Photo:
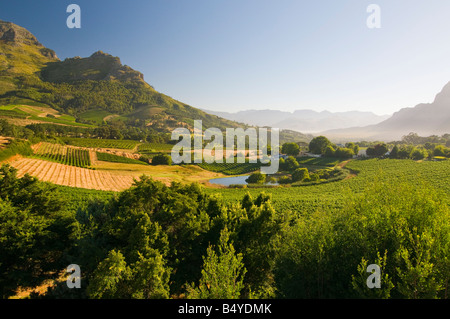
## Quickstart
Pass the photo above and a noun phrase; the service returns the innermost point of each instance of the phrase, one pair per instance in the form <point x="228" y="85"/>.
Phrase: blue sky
<point x="231" y="55"/>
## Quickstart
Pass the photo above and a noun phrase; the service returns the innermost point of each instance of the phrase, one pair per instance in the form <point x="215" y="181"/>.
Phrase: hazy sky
<point x="231" y="55"/>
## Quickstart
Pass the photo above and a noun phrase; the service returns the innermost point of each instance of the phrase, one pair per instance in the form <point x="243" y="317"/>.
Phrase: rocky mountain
<point x="96" y="85"/>
<point x="16" y="36"/>
<point x="99" y="66"/>
<point x="306" y="121"/>
<point x="424" y="119"/>
<point x="32" y="73"/>
<point x="21" y="56"/>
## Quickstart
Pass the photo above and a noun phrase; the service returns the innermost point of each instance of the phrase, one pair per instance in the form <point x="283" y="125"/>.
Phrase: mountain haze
<point x="424" y="119"/>
<point x="306" y="121"/>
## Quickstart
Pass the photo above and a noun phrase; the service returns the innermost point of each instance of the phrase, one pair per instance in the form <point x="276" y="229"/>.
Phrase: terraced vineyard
<point x="63" y="155"/>
<point x="72" y="176"/>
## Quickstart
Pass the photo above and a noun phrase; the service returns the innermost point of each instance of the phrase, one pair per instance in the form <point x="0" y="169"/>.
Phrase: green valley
<point x="87" y="178"/>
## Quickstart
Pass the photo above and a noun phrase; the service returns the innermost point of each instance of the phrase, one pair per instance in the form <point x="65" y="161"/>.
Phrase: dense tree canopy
<point x="291" y="149"/>
<point x="318" y="145"/>
<point x="158" y="241"/>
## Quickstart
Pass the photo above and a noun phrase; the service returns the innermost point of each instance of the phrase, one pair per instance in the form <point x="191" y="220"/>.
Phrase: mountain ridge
<point x="31" y="73"/>
<point x="424" y="119"/>
<point x="305" y="120"/>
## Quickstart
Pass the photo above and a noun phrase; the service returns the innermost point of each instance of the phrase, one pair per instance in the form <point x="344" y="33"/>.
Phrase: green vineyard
<point x="106" y="157"/>
<point x="231" y="168"/>
<point x="63" y="155"/>
<point x="307" y="199"/>
<point x="101" y="143"/>
<point x="154" y="147"/>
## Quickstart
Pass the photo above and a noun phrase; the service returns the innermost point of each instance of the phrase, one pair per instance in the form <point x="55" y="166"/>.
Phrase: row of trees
<point x="155" y="241"/>
<point x="323" y="146"/>
<point x="113" y="130"/>
<point x="408" y="151"/>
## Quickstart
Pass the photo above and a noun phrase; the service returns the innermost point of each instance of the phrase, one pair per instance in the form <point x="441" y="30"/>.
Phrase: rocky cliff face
<point x="98" y="67"/>
<point x="15" y="35"/>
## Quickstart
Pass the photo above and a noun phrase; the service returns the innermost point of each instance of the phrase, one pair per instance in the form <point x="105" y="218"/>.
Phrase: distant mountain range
<point x="424" y="119"/>
<point x="305" y="121"/>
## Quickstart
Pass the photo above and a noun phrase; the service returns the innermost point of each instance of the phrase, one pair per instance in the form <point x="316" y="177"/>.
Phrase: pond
<point x="227" y="181"/>
<point x="235" y="180"/>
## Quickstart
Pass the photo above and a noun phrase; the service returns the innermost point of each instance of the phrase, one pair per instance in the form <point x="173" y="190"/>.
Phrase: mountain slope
<point x="424" y="119"/>
<point x="21" y="56"/>
<point x="31" y="73"/>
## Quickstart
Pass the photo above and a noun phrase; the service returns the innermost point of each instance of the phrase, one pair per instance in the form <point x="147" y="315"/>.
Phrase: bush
<point x="284" y="180"/>
<point x="344" y="153"/>
<point x="289" y="164"/>
<point x="418" y="154"/>
<point x="318" y="145"/>
<point x="162" y="159"/>
<point x="377" y="150"/>
<point x="256" y="178"/>
<point x="329" y="151"/>
<point x="300" y="174"/>
<point x="291" y="149"/>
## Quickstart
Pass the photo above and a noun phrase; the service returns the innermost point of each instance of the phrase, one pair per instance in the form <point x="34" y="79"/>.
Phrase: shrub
<point x="318" y="145"/>
<point x="300" y="174"/>
<point x="344" y="153"/>
<point x="162" y="159"/>
<point x="256" y="178"/>
<point x="329" y="151"/>
<point x="290" y="149"/>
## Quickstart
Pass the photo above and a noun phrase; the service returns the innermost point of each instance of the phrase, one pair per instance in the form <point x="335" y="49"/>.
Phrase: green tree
<point x="318" y="145"/>
<point x="329" y="151"/>
<point x="161" y="159"/>
<point x="256" y="178"/>
<point x="416" y="271"/>
<point x="291" y="149"/>
<point x="222" y="274"/>
<point x="291" y="164"/>
<point x="394" y="152"/>
<point x="439" y="151"/>
<point x="36" y="231"/>
<point x="378" y="150"/>
<point x="343" y="153"/>
<point x="353" y="147"/>
<point x="109" y="279"/>
<point x="405" y="152"/>
<point x="359" y="283"/>
<point x="257" y="236"/>
<point x="150" y="278"/>
<point x="300" y="174"/>
<point x="419" y="154"/>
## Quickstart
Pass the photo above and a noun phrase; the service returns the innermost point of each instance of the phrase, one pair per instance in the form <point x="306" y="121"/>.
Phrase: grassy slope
<point x="39" y="114"/>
